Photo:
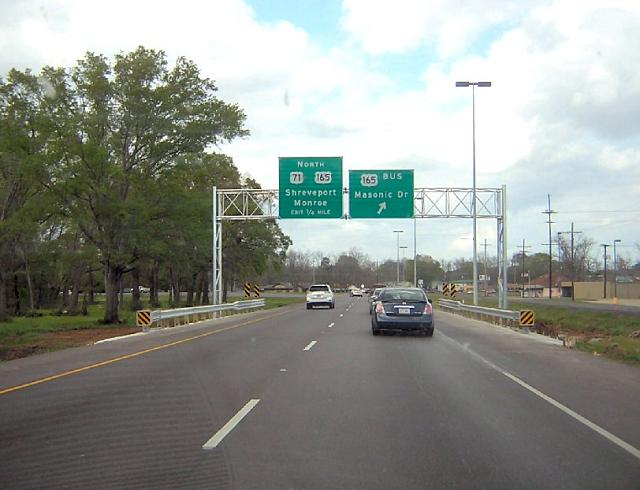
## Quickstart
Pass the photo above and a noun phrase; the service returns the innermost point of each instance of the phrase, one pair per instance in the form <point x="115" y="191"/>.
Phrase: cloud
<point x="560" y="117"/>
<point x="404" y="25"/>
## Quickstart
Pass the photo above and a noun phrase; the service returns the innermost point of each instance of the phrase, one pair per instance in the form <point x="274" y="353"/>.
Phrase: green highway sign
<point x="310" y="187"/>
<point x="381" y="193"/>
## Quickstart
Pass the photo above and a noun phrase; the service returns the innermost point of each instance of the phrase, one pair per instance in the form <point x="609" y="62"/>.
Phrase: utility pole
<point x="615" y="270"/>
<point x="573" y="263"/>
<point x="485" y="266"/>
<point x="549" y="212"/>
<point x="605" y="245"/>
<point x="523" y="255"/>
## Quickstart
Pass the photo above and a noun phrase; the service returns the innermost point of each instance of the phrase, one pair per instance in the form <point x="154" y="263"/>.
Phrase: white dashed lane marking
<point x="229" y="426"/>
<point x="310" y="345"/>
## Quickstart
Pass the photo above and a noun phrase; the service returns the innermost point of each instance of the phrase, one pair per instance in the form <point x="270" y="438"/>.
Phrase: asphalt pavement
<point x="295" y="399"/>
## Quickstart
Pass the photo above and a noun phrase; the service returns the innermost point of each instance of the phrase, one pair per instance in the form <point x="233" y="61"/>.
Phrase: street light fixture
<point x="473" y="86"/>
<point x="397" y="232"/>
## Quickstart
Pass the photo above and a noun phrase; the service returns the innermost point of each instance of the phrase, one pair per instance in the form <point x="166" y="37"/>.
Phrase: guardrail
<point x="183" y="316"/>
<point x="494" y="315"/>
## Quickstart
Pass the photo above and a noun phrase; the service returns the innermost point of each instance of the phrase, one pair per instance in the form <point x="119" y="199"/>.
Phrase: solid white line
<point x="583" y="420"/>
<point x="229" y="426"/>
<point x="120" y="337"/>
<point x="331" y="325"/>
<point x="310" y="345"/>
<point x="605" y="433"/>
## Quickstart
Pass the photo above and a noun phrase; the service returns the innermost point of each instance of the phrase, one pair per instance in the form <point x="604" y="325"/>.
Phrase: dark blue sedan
<point x="403" y="309"/>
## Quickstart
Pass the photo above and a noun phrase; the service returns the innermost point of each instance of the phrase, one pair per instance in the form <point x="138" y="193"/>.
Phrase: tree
<point x="119" y="129"/>
<point x="428" y="269"/>
<point x="24" y="133"/>
<point x="581" y="252"/>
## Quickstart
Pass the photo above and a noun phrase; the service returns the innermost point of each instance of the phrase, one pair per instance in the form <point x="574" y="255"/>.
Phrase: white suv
<point x="319" y="295"/>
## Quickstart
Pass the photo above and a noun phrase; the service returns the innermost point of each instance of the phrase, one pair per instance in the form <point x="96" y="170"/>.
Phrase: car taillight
<point x="428" y="310"/>
<point x="379" y="309"/>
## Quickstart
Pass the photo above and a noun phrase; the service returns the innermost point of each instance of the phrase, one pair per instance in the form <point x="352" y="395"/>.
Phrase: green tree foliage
<point x="119" y="129"/>
<point x="24" y="135"/>
<point x="106" y="172"/>
<point x="428" y="269"/>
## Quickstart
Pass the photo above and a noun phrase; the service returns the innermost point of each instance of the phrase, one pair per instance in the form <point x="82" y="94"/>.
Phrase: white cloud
<point x="383" y="27"/>
<point x="560" y="117"/>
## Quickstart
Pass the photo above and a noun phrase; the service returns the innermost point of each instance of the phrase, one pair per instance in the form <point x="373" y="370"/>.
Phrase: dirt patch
<point x="64" y="339"/>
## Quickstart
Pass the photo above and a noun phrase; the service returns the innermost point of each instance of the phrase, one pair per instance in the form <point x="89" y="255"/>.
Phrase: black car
<point x="403" y="309"/>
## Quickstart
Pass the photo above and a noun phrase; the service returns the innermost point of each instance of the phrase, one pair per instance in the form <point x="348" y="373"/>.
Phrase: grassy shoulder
<point x="598" y="332"/>
<point x="51" y="331"/>
<point x="273" y="302"/>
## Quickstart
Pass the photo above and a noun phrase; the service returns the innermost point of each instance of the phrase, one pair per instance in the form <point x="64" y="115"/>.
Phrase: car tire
<point x="308" y="306"/>
<point x="374" y="330"/>
<point x="428" y="332"/>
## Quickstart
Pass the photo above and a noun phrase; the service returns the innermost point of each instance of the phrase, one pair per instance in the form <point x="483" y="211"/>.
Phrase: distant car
<point x="356" y="292"/>
<point x="320" y="295"/>
<point x="403" y="309"/>
<point x="373" y="298"/>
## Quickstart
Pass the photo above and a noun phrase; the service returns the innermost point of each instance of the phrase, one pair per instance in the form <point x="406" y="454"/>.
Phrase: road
<point x="628" y="310"/>
<point x="297" y="399"/>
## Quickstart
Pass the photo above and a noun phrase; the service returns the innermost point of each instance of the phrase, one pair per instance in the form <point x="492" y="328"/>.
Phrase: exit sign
<point x="310" y="187"/>
<point x="381" y="193"/>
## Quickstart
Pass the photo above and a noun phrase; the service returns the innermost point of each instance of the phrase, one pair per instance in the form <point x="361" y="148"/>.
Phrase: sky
<point x="374" y="82"/>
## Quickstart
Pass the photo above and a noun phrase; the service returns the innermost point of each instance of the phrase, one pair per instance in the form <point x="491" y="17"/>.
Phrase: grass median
<point x="53" y="330"/>
<point x="602" y="333"/>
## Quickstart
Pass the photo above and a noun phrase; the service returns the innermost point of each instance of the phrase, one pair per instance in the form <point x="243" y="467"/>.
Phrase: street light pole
<point x="397" y="232"/>
<point x="605" y="245"/>
<point x="615" y="269"/>
<point x="404" y="265"/>
<point x="473" y="197"/>
<point x="415" y="254"/>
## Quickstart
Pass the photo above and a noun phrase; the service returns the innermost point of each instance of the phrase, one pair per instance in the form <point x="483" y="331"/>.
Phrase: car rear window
<point x="402" y="295"/>
<point x="319" y="288"/>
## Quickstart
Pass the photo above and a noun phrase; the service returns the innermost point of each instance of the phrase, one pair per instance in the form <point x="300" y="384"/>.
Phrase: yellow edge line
<point x="129" y="356"/>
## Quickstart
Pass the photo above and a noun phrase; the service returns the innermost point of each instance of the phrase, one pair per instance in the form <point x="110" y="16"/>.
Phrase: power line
<point x="549" y="212"/>
<point x="605" y="211"/>
<point x="573" y="265"/>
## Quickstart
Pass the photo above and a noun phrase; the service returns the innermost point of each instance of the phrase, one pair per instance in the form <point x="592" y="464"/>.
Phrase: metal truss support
<point x="429" y="203"/>
<point x="503" y="285"/>
<point x="244" y="204"/>
<point x="454" y="202"/>
<point x="216" y="279"/>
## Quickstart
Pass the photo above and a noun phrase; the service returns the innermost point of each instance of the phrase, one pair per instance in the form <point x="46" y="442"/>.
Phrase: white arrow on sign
<point x="381" y="207"/>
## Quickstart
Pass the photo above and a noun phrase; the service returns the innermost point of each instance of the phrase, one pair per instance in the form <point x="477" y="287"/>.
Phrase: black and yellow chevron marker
<point x="453" y="291"/>
<point x="143" y="318"/>
<point x="527" y="318"/>
<point x="247" y="289"/>
<point x="257" y="290"/>
<point x="445" y="288"/>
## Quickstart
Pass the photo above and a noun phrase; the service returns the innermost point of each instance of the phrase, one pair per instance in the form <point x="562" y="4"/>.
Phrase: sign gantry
<point x="428" y="203"/>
